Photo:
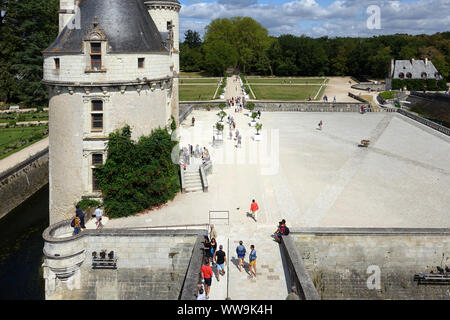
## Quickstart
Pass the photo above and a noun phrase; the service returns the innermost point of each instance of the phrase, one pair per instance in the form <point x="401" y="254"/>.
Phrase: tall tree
<point x="28" y="27"/>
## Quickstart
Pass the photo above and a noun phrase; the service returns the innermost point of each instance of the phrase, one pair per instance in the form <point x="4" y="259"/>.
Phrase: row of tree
<point x="244" y="43"/>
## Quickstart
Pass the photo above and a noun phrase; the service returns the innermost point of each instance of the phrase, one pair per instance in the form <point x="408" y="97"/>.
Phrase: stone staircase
<point x="193" y="181"/>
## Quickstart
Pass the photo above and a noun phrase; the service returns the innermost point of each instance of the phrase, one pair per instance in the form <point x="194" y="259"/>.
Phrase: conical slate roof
<point x="127" y="25"/>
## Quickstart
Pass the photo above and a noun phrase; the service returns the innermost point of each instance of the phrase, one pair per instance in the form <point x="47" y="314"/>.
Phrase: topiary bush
<point x="250" y="106"/>
<point x="137" y="175"/>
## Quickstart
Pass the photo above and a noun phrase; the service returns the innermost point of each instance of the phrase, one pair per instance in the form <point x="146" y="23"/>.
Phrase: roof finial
<point x="95" y="22"/>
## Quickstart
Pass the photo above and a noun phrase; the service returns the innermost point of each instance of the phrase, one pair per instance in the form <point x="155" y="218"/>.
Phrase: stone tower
<point x="165" y="14"/>
<point x="109" y="66"/>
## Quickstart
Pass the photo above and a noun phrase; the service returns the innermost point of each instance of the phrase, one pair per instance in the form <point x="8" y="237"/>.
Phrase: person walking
<point x="207" y="247"/>
<point x="220" y="259"/>
<point x="212" y="232"/>
<point x="213" y="249"/>
<point x="239" y="142"/>
<point x="320" y="125"/>
<point x="240" y="251"/>
<point x="254" y="209"/>
<point x="252" y="261"/>
<point x="231" y="134"/>
<point x="193" y="121"/>
<point x="98" y="216"/>
<point x="80" y="214"/>
<point x="201" y="292"/>
<point x="207" y="274"/>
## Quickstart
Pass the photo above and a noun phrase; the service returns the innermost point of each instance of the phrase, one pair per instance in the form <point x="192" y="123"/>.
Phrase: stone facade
<point x="338" y="261"/>
<point x="150" y="264"/>
<point x="135" y="88"/>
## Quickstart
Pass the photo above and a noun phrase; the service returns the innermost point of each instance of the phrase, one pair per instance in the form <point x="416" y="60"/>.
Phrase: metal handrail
<point x="227" y="218"/>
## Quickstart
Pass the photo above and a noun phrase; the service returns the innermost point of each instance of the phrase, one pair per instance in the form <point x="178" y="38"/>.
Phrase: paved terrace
<point x="312" y="179"/>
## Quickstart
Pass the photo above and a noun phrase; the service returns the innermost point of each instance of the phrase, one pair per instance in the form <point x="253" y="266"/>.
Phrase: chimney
<point x="412" y="60"/>
<point x="426" y="61"/>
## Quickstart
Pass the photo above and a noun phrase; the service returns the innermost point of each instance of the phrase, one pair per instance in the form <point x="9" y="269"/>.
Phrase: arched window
<point x="401" y="75"/>
<point x="409" y="75"/>
<point x="437" y="75"/>
<point x="424" y="75"/>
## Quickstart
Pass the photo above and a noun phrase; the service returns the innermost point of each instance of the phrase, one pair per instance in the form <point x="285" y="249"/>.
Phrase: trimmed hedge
<point x="419" y="84"/>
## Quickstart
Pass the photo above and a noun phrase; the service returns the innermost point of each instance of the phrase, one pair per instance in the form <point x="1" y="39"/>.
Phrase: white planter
<point x="222" y="123"/>
<point x="218" y="136"/>
<point x="249" y="114"/>
<point x="222" y="96"/>
<point x="252" y="123"/>
<point x="257" y="137"/>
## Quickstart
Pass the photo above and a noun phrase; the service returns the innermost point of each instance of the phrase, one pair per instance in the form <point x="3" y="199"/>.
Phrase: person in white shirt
<point x="201" y="293"/>
<point x="98" y="216"/>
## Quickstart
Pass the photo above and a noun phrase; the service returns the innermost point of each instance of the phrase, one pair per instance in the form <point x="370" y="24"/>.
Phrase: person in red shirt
<point x="254" y="209"/>
<point x="207" y="274"/>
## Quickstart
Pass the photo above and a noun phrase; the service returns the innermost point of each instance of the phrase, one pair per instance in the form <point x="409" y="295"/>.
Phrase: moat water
<point x="21" y="246"/>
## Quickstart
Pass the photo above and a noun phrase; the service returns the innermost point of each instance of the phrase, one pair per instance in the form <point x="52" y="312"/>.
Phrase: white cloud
<point x="340" y="18"/>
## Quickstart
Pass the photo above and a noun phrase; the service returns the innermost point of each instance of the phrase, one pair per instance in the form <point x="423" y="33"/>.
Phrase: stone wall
<point x="151" y="264"/>
<point x="22" y="181"/>
<point x="298" y="274"/>
<point x="338" y="261"/>
<point x="309" y="106"/>
<point x="371" y="85"/>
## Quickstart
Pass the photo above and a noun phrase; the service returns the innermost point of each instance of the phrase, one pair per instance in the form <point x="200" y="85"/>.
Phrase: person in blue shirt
<point x="240" y="251"/>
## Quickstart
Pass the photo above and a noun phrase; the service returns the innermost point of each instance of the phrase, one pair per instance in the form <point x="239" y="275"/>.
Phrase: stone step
<point x="192" y="176"/>
<point x="193" y="185"/>
<point x="196" y="189"/>
<point x="191" y="173"/>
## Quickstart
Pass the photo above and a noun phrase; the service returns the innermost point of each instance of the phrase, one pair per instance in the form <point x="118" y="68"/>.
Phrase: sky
<point x="316" y="18"/>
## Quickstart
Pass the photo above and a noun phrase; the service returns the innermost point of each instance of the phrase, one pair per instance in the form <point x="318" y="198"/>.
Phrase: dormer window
<point x="96" y="56"/>
<point x="409" y="75"/>
<point x="56" y="63"/>
<point x="401" y="75"/>
<point x="424" y="75"/>
<point x="141" y="62"/>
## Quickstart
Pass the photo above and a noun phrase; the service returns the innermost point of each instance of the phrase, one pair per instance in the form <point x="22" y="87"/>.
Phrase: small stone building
<point x="113" y="63"/>
<point x="414" y="69"/>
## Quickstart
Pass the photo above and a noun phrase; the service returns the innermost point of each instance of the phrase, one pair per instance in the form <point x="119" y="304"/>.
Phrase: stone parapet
<point x="157" y="258"/>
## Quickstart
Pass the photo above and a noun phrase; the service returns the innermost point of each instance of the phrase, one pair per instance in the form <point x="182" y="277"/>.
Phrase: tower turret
<point x="106" y="71"/>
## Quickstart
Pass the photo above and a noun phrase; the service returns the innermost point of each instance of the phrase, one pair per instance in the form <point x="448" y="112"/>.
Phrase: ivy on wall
<point x="137" y="175"/>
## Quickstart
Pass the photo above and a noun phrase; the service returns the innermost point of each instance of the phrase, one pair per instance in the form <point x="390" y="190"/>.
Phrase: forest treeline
<point x="243" y="42"/>
<point x="27" y="27"/>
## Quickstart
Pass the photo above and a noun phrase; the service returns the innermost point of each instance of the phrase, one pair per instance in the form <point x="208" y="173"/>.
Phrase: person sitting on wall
<point x="281" y="230"/>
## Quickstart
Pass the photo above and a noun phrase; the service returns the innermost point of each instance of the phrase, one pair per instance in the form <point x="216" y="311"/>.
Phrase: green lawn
<point x="285" y="93"/>
<point x="200" y="80"/>
<point x="15" y="139"/>
<point x="287" y="80"/>
<point x="195" y="93"/>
